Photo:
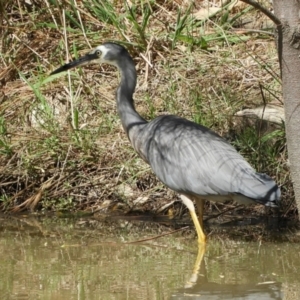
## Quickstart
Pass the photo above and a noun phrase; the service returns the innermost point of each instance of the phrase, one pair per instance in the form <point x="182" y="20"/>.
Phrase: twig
<point x="24" y="43"/>
<point x="14" y="197"/>
<point x="33" y="200"/>
<point x="51" y="13"/>
<point x="156" y="237"/>
<point x="81" y="24"/>
<point x="223" y="212"/>
<point x="84" y="13"/>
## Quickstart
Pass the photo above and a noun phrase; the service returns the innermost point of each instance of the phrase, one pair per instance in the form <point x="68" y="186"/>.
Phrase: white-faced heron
<point x="187" y="157"/>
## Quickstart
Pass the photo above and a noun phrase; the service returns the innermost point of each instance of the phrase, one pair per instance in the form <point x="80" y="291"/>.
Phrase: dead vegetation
<point x="61" y="142"/>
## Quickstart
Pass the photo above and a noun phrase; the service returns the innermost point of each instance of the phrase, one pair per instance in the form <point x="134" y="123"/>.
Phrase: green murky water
<point x="52" y="258"/>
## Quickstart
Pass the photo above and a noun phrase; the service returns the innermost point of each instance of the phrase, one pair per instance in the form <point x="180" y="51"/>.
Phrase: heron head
<point x="108" y="53"/>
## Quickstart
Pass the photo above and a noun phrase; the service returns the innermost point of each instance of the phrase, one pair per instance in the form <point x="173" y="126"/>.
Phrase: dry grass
<point x="62" y="145"/>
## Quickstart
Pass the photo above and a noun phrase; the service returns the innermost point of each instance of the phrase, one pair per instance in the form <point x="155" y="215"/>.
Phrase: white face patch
<point x="104" y="50"/>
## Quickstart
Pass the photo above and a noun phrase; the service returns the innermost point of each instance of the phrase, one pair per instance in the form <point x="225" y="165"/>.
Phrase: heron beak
<point x="81" y="61"/>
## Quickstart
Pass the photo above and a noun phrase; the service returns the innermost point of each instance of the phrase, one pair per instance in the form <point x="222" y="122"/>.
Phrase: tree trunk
<point x="288" y="12"/>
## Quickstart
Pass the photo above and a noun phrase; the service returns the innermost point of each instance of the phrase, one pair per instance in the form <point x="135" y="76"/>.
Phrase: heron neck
<point x="125" y="105"/>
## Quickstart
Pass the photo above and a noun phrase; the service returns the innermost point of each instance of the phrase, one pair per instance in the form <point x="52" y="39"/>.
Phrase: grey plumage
<point x="187" y="157"/>
<point x="191" y="159"/>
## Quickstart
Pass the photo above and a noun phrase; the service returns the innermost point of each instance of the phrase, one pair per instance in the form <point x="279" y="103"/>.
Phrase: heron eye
<point x="98" y="53"/>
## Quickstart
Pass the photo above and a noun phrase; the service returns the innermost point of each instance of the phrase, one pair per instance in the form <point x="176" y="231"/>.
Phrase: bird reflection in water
<point x="199" y="286"/>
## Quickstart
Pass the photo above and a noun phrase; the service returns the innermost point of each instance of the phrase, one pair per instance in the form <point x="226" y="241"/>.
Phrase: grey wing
<point x="190" y="158"/>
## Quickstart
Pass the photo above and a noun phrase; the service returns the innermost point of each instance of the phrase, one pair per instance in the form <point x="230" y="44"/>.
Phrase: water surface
<point x="63" y="258"/>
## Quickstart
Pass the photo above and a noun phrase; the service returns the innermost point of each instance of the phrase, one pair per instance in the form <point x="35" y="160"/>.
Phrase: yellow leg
<point x="201" y="235"/>
<point x="191" y="208"/>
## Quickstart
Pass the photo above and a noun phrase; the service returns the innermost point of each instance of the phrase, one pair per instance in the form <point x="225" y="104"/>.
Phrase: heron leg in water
<point x="190" y="205"/>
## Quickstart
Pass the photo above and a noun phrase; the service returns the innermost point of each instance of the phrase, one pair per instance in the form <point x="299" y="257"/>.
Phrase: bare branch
<point x="263" y="10"/>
